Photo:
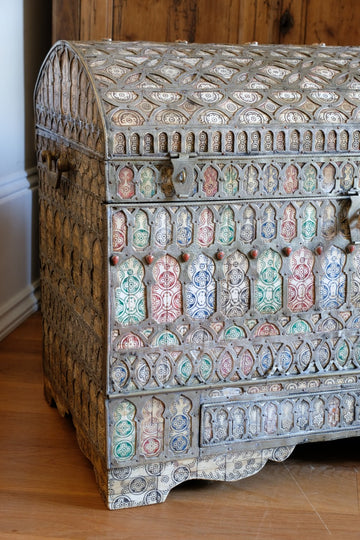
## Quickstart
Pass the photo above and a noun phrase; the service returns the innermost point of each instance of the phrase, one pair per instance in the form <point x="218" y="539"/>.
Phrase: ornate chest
<point x="200" y="268"/>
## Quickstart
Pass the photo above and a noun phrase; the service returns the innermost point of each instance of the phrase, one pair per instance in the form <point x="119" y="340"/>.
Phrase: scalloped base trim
<point x="150" y="484"/>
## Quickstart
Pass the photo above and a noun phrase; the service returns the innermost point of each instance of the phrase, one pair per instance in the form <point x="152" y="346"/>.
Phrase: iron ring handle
<point x="61" y="164"/>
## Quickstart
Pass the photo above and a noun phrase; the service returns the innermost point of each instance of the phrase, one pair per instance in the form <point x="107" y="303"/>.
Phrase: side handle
<point x="55" y="165"/>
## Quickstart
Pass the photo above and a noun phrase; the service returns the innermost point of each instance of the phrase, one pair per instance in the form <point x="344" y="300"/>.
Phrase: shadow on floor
<point x="334" y="451"/>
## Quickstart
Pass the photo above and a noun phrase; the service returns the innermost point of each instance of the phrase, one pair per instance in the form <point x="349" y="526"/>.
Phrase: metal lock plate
<point x="183" y="174"/>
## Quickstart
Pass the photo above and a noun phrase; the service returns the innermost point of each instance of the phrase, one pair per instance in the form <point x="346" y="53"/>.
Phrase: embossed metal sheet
<point x="153" y="98"/>
<point x="210" y="320"/>
<point x="200" y="258"/>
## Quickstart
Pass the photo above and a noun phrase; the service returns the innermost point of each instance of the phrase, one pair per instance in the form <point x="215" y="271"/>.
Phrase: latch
<point x="354" y="216"/>
<point x="183" y="174"/>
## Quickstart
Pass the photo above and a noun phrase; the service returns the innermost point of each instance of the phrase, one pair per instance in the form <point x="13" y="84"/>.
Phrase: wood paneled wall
<point x="335" y="22"/>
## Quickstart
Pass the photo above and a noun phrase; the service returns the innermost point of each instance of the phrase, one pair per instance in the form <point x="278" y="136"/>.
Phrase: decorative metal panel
<point x="124" y="431"/>
<point x="153" y="96"/>
<point x="333" y="281"/>
<point x="200" y="292"/>
<point x="206" y="228"/>
<point x="268" y="288"/>
<point x="302" y="282"/>
<point x="130" y="293"/>
<point x="243" y="421"/>
<point x="199" y="254"/>
<point x="152" y="428"/>
<point x="235" y="298"/>
<point x="166" y="295"/>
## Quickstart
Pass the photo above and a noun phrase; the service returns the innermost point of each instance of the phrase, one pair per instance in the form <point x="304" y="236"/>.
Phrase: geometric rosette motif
<point x="246" y="362"/>
<point x="251" y="183"/>
<point x="200" y="292"/>
<point x="180" y="425"/>
<point x="184" y="369"/>
<point x="234" y="332"/>
<point x="165" y="338"/>
<point x="268" y="224"/>
<point x="347" y="176"/>
<point x="231" y="184"/>
<point x="235" y="289"/>
<point x="226" y="365"/>
<point x="124" y="431"/>
<point x="119" y="231"/>
<point x="301" y="285"/>
<point x="268" y="286"/>
<point x="291" y="183"/>
<point x="205" y="367"/>
<point x="152" y="428"/>
<point x="288" y="223"/>
<point x="126" y="187"/>
<point x="271" y="181"/>
<point x="309" y="223"/>
<point x="130" y="341"/>
<point x="310" y="179"/>
<point x="141" y="231"/>
<point x="130" y="294"/>
<point x="248" y="225"/>
<point x="184" y="227"/>
<point x="210" y="185"/>
<point x="166" y="298"/>
<point x="298" y="326"/>
<point x="266" y="329"/>
<point x="227" y="226"/>
<point x="333" y="279"/>
<point x="206" y="228"/>
<point x="147" y="182"/>
<point x="163" y="231"/>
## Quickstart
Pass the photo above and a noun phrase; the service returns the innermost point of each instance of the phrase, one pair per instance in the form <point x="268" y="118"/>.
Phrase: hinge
<point x="183" y="173"/>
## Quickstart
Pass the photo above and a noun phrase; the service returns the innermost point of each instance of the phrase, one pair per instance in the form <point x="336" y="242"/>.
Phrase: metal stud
<point x="287" y="250"/>
<point x="114" y="260"/>
<point x="149" y="258"/>
<point x="254" y="253"/>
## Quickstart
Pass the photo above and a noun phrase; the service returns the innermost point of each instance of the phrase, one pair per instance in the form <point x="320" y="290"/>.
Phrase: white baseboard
<point x="20" y="298"/>
<point x="12" y="184"/>
<point x="18" y="308"/>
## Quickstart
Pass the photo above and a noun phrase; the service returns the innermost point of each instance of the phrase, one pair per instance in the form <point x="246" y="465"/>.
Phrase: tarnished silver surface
<point x="199" y="252"/>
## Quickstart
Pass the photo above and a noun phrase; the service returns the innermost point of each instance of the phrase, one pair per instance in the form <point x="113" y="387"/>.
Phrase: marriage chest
<point x="200" y="267"/>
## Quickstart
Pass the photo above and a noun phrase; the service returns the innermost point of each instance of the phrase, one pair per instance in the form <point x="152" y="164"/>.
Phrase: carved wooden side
<point x="73" y="295"/>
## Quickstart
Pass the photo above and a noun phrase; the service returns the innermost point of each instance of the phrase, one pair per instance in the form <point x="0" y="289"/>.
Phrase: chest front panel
<point x="243" y="277"/>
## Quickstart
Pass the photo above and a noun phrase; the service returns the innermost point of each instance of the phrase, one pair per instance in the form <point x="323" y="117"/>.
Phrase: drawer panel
<point x="286" y="417"/>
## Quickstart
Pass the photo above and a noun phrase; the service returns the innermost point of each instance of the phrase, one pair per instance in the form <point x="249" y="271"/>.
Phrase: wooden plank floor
<point x="48" y="490"/>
